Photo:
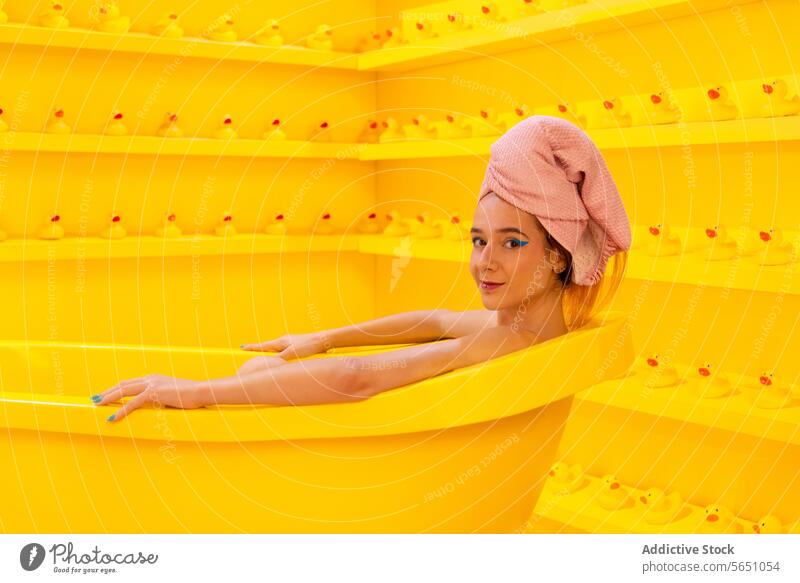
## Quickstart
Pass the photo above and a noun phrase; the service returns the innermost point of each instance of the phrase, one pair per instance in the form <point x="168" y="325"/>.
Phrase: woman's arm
<point x="317" y="381"/>
<point x="404" y="328"/>
<point x="353" y="378"/>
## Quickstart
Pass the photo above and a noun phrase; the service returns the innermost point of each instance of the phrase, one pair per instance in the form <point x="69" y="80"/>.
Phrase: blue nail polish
<point x="110" y="418"/>
<point x="97" y="398"/>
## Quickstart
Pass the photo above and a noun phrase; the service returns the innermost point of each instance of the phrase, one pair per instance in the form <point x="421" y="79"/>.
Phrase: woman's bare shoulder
<point x="456" y="324"/>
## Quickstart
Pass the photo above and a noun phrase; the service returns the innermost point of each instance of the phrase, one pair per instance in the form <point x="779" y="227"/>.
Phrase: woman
<point x="548" y="219"/>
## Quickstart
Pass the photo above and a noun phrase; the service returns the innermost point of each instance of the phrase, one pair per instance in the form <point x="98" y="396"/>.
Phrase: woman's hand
<point x="292" y="345"/>
<point x="153" y="388"/>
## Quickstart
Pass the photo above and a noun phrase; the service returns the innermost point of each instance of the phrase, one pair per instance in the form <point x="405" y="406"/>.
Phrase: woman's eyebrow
<point x="503" y="230"/>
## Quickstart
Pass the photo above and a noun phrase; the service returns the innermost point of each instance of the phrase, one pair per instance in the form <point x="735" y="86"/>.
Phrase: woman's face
<point x="509" y="248"/>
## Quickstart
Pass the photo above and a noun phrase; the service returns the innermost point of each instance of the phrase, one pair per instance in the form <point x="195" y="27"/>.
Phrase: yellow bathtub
<point x="464" y="452"/>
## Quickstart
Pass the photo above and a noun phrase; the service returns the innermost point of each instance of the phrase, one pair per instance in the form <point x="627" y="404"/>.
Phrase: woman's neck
<point x="542" y="316"/>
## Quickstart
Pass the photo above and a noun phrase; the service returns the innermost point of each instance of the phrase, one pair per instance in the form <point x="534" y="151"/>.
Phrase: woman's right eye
<point x="477" y="239"/>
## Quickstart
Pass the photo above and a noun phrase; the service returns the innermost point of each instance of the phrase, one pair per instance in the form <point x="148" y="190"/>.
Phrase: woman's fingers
<point x="121" y="389"/>
<point x="129" y="406"/>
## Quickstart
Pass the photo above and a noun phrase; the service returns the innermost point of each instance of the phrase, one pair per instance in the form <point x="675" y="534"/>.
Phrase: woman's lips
<point x="489" y="285"/>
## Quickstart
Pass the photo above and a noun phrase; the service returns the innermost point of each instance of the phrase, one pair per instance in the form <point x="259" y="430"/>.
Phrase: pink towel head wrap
<point x="538" y="166"/>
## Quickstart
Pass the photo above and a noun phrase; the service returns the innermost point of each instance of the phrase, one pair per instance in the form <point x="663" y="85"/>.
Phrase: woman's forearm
<point x="306" y="382"/>
<point x="403" y="328"/>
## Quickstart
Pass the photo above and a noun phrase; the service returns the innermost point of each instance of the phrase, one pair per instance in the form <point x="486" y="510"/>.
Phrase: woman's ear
<point x="557" y="261"/>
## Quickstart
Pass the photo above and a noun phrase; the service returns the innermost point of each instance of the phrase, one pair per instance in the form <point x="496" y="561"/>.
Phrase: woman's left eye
<point x="517" y="243"/>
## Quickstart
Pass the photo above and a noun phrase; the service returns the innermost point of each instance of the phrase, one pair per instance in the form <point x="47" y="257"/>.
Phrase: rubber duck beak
<point x="712" y="518"/>
<point x="767" y="88"/>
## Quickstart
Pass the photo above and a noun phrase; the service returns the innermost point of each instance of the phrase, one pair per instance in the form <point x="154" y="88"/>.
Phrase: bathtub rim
<point x="421" y="406"/>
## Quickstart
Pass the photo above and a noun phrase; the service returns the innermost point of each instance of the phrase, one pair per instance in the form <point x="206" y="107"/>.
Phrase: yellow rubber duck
<point x="663" y="242"/>
<point x="566" y="478"/>
<point x="709" y="384"/>
<point x="167" y="26"/>
<point x="490" y="12"/>
<point x="659" y="110"/>
<point x="54" y="17"/>
<point x="454" y="229"/>
<point x="775" y="251"/>
<point x="116" y="127"/>
<point x="391" y="131"/>
<point x="225" y="226"/>
<point x="612" y="494"/>
<point x="418" y="129"/>
<point x="169" y="228"/>
<point x="450" y="128"/>
<point x="225" y="129"/>
<point x="777" y="103"/>
<point x="369" y="224"/>
<point x="508" y="119"/>
<point x="569" y="112"/>
<point x="719" y="520"/>
<point x="3" y="124"/>
<point x="169" y="127"/>
<point x="321" y="39"/>
<point x="323" y="226"/>
<point x="768" y="525"/>
<point x="51" y="229"/>
<point x="114" y="230"/>
<point x="613" y="114"/>
<point x="457" y="22"/>
<point x="720" y="107"/>
<point x="57" y="125"/>
<point x="397" y="226"/>
<point x="370" y="133"/>
<point x="269" y="35"/>
<point x="222" y="30"/>
<point x="321" y="133"/>
<point x="660" y="374"/>
<point x="660" y="508"/>
<point x="369" y="42"/>
<point x="721" y="246"/>
<point x="276" y="227"/>
<point x="423" y="30"/>
<point x="530" y="8"/>
<point x="769" y="394"/>
<point x="393" y="38"/>
<point x="110" y="20"/>
<point x="428" y="228"/>
<point x="484" y="125"/>
<point x="274" y="133"/>
<point x="3" y="15"/>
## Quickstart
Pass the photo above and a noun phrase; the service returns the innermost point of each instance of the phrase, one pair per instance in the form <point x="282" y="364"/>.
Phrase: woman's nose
<point x="486" y="259"/>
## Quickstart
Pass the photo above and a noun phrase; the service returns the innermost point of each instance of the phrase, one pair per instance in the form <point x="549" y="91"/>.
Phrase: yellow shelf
<point x="154" y="145"/>
<point x="745" y="131"/>
<point x="692" y="269"/>
<point x="739" y="131"/>
<point x="436" y="249"/>
<point x="734" y="413"/>
<point x="132" y="42"/>
<point x="688" y="269"/>
<point x="547" y="28"/>
<point x="543" y="28"/>
<point x="71" y="248"/>
<point x="579" y="509"/>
